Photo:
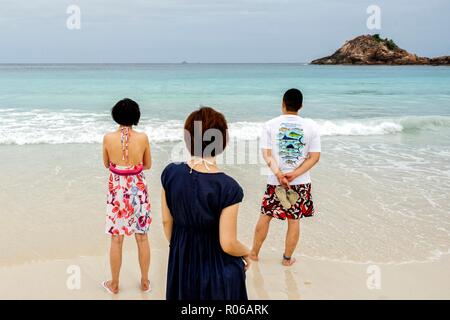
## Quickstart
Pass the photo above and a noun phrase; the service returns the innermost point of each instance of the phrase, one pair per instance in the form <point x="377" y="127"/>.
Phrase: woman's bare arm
<point x="167" y="219"/>
<point x="105" y="153"/>
<point x="228" y="232"/>
<point x="147" y="155"/>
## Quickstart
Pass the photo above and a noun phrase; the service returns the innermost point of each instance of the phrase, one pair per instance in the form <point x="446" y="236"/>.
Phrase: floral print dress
<point x="128" y="204"/>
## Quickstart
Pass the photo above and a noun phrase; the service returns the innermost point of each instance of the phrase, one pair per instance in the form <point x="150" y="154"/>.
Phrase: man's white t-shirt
<point x="291" y="138"/>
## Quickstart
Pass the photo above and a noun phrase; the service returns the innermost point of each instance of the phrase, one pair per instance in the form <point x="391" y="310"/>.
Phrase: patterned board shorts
<point x="304" y="207"/>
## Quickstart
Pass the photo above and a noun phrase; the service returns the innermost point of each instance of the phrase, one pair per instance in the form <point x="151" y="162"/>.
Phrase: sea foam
<point x="45" y="127"/>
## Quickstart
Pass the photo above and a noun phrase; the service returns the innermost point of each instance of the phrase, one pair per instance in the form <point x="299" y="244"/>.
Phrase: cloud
<point x="104" y="9"/>
<point x="210" y="30"/>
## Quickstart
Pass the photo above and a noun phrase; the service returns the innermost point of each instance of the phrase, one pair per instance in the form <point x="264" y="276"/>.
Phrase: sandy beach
<point x="70" y="211"/>
<point x="380" y="189"/>
<point x="380" y="106"/>
<point x="266" y="280"/>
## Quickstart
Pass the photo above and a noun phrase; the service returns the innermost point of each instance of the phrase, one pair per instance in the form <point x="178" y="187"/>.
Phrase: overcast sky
<point x="211" y="30"/>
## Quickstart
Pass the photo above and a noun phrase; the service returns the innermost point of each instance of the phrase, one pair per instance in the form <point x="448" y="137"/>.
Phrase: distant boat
<point x="184" y="62"/>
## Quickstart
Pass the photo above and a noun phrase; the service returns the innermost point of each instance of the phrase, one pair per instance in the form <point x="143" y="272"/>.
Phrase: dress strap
<point x="198" y="160"/>
<point x="125" y="133"/>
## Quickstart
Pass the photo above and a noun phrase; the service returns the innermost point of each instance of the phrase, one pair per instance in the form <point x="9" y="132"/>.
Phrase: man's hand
<point x="290" y="176"/>
<point x="282" y="180"/>
<point x="310" y="162"/>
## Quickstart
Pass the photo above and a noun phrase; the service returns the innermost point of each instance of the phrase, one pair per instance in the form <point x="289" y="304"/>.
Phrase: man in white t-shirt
<point x="291" y="147"/>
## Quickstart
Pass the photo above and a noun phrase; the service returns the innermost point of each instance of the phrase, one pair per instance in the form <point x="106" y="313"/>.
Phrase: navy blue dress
<point x="198" y="267"/>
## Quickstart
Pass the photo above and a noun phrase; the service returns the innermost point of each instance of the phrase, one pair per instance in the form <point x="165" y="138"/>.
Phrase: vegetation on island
<point x="388" y="42"/>
<point x="372" y="49"/>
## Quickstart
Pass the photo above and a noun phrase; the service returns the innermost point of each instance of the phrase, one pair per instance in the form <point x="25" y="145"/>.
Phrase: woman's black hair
<point x="126" y="112"/>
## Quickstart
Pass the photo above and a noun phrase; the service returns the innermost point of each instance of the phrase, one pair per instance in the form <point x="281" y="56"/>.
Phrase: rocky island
<point x="374" y="50"/>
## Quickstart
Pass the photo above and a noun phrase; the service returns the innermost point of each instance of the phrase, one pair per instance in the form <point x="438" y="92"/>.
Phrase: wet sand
<point x="56" y="211"/>
<point x="267" y="279"/>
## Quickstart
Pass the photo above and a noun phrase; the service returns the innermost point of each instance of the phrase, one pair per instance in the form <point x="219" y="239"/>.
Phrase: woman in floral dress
<point x="126" y="153"/>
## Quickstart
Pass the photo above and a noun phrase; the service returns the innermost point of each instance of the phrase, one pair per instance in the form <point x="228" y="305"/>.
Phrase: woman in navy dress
<point x="200" y="206"/>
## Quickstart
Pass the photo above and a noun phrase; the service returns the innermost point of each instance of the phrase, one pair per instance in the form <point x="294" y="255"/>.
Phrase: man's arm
<point x="313" y="155"/>
<point x="273" y="165"/>
<point x="312" y="160"/>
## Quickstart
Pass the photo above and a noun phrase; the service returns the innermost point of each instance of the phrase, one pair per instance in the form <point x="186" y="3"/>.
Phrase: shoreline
<point x="64" y="199"/>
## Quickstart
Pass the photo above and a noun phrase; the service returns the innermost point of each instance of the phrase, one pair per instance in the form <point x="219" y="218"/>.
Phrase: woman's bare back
<point x="138" y="149"/>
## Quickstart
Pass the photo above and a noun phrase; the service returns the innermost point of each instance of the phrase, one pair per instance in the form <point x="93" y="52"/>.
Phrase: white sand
<point x="266" y="279"/>
<point x="54" y="218"/>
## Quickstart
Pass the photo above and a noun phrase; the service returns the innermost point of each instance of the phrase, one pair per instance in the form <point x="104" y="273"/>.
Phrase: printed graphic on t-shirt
<point x="290" y="143"/>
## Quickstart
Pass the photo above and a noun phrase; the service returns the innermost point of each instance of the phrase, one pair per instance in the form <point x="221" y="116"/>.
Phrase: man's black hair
<point x="293" y="100"/>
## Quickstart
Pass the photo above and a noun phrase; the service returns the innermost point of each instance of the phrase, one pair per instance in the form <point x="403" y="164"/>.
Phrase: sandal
<point x="281" y="194"/>
<point x="107" y="288"/>
<point x="292" y="196"/>
<point x="149" y="289"/>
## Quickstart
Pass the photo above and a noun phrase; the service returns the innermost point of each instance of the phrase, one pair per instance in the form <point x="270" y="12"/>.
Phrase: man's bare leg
<point x="292" y="238"/>
<point x="261" y="230"/>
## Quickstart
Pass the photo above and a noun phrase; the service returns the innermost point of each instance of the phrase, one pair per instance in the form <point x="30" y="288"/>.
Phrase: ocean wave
<point x="45" y="127"/>
<point x="381" y="126"/>
<point x="358" y="128"/>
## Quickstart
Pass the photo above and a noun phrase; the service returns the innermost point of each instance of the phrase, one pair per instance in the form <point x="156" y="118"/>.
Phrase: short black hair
<point x="126" y="112"/>
<point x="293" y="100"/>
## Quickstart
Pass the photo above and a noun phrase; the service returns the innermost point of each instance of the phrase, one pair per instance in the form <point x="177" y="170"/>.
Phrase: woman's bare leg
<point x="115" y="259"/>
<point x="144" y="259"/>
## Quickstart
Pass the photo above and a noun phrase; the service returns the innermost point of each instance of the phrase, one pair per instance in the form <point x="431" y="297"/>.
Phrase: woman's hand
<point x="247" y="261"/>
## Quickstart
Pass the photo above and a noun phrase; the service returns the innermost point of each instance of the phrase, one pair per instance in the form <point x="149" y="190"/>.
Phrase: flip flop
<point x="105" y="286"/>
<point x="149" y="288"/>
<point x="280" y="192"/>
<point x="292" y="196"/>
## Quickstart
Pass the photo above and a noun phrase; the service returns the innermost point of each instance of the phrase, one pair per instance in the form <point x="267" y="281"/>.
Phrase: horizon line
<point x="142" y="63"/>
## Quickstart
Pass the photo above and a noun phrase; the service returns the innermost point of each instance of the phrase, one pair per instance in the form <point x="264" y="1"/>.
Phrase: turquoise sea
<point x="74" y="100"/>
<point x="381" y="187"/>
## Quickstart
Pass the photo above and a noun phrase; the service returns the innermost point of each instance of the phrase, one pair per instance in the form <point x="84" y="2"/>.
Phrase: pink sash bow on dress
<point x="132" y="171"/>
